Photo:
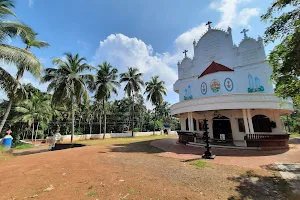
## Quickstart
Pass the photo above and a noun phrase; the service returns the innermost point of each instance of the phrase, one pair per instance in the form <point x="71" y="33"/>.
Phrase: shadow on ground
<point x="171" y="145"/>
<point x="136" y="147"/>
<point x="256" y="187"/>
<point x="28" y="152"/>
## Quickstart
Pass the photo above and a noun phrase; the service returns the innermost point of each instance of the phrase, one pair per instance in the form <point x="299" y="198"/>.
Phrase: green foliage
<point x="285" y="58"/>
<point x="155" y="90"/>
<point x="133" y="80"/>
<point x="200" y="164"/>
<point x="24" y="146"/>
<point x="157" y="124"/>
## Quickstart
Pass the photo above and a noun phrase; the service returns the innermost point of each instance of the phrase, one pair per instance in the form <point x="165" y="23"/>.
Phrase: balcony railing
<point x="266" y="136"/>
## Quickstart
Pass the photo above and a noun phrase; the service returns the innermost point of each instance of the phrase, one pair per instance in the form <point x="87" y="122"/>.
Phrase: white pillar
<point x="250" y="121"/>
<point x="189" y="121"/>
<point x="192" y="122"/>
<point x="245" y="121"/>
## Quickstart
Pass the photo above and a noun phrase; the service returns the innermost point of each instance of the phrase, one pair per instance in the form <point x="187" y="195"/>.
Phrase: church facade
<point x="229" y="85"/>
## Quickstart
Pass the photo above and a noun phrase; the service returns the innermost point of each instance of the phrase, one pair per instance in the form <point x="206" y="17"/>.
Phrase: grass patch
<point x="294" y="135"/>
<point x="200" y="164"/>
<point x="24" y="146"/>
<point x="109" y="141"/>
<point x="92" y="194"/>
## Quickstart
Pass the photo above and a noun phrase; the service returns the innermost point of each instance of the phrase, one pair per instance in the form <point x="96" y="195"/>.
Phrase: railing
<point x="266" y="136"/>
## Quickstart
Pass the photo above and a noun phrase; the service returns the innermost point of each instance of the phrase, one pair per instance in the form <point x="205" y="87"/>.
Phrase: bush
<point x="24" y="146"/>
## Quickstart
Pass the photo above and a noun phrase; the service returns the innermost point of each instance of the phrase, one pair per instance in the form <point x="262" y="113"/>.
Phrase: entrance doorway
<point x="221" y="125"/>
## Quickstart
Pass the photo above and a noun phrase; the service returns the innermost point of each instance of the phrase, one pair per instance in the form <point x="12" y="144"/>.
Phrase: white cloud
<point x="30" y="3"/>
<point x="230" y="14"/>
<point x="122" y="52"/>
<point x="246" y="14"/>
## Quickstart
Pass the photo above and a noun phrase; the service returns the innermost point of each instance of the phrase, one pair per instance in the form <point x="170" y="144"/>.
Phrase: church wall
<point x="216" y="46"/>
<point x="234" y="116"/>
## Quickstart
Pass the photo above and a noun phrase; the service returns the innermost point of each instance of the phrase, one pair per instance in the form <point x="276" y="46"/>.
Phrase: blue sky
<point x="150" y="35"/>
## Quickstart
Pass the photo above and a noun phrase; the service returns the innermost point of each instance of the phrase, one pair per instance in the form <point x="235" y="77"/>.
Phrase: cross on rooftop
<point x="208" y="24"/>
<point x="245" y="31"/>
<point x="185" y="51"/>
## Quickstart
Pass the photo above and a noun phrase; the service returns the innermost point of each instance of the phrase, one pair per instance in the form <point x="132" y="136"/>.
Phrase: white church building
<point x="229" y="85"/>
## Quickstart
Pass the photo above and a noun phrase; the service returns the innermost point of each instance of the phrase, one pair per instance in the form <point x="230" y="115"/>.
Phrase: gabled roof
<point x="215" y="67"/>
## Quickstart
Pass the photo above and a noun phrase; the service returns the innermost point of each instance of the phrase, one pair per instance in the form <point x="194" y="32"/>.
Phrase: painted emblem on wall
<point x="203" y="88"/>
<point x="187" y="93"/>
<point x="254" y="85"/>
<point x="215" y="86"/>
<point x="228" y="84"/>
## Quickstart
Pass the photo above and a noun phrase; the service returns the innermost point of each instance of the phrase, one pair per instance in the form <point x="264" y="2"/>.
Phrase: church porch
<point x="236" y="127"/>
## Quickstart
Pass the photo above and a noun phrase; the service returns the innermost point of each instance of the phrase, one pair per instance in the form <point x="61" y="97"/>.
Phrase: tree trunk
<point x="32" y="131"/>
<point x="132" y="114"/>
<point x="73" y="120"/>
<point x="5" y="116"/>
<point x="100" y="124"/>
<point x="104" y="131"/>
<point x="90" y="128"/>
<point x="37" y="128"/>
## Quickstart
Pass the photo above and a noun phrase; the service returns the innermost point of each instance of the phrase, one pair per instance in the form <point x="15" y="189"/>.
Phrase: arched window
<point x="195" y="124"/>
<point x="187" y="124"/>
<point x="261" y="123"/>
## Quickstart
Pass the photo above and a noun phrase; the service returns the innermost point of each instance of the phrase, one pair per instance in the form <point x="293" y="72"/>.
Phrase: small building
<point x="229" y="85"/>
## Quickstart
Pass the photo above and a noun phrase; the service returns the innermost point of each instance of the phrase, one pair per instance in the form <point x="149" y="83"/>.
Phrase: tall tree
<point x="24" y="60"/>
<point x="155" y="90"/>
<point x="37" y="108"/>
<point x="284" y="16"/>
<point x="69" y="82"/>
<point x="106" y="83"/>
<point x="134" y="83"/>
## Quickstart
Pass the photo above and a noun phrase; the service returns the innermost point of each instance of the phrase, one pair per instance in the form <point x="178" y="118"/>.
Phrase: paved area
<point x="291" y="173"/>
<point x="244" y="158"/>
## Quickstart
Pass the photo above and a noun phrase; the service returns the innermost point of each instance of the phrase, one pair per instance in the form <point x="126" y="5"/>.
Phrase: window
<point x="241" y="125"/>
<point x="187" y="124"/>
<point x="261" y="123"/>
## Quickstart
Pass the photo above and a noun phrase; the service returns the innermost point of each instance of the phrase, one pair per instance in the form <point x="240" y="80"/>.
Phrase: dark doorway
<point x="221" y="125"/>
<point x="261" y="123"/>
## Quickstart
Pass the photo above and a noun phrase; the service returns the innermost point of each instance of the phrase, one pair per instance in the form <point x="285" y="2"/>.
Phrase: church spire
<point x="208" y="24"/>
<point x="244" y="31"/>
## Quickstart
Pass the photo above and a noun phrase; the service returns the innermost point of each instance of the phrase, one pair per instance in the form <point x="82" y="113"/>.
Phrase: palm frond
<point x="22" y="59"/>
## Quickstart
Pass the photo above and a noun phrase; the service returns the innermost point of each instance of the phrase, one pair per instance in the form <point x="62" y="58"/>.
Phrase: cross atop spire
<point x="245" y="31"/>
<point x="185" y="51"/>
<point x="208" y="24"/>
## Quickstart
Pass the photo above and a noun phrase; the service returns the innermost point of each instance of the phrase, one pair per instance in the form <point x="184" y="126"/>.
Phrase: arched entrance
<point x="261" y="123"/>
<point x="221" y="125"/>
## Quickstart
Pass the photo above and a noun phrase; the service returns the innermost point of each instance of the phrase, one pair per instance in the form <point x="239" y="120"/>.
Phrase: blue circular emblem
<point x="203" y="88"/>
<point x="228" y="84"/>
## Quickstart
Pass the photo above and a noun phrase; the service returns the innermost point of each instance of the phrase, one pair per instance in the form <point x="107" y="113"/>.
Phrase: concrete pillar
<point x="245" y="121"/>
<point x="250" y="121"/>
<point x="191" y="124"/>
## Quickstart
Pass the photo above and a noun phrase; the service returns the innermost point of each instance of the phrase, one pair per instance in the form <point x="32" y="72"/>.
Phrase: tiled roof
<point x="215" y="67"/>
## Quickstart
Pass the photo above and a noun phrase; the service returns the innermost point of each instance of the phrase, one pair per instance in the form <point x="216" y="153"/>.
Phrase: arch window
<point x="261" y="123"/>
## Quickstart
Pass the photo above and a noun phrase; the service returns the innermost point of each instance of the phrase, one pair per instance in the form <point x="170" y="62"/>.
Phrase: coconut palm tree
<point x="106" y="83"/>
<point x="155" y="90"/>
<point x="98" y="108"/>
<point x="134" y="83"/>
<point x="21" y="58"/>
<point x="37" y="108"/>
<point x="33" y="42"/>
<point x="69" y="82"/>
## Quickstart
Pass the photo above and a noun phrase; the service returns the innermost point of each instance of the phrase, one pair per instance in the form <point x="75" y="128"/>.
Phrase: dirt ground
<point x="129" y="169"/>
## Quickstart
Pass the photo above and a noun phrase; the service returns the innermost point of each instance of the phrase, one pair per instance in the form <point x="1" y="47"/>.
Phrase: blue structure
<point x="7" y="141"/>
